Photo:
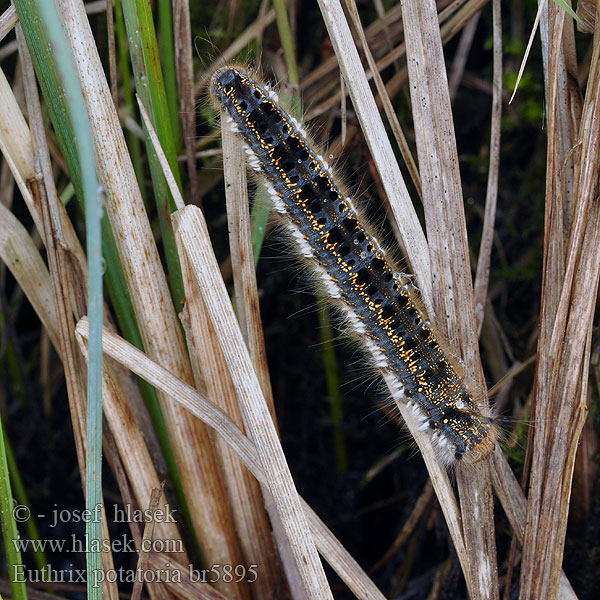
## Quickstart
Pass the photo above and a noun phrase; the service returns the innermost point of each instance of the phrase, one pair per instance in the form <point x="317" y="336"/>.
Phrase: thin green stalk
<point x="149" y="82"/>
<point x="261" y="207"/>
<point x="93" y="214"/>
<point x="143" y="49"/>
<point x="167" y="60"/>
<point x="133" y="142"/>
<point x="285" y="37"/>
<point x="332" y="382"/>
<point x="22" y="499"/>
<point x="10" y="535"/>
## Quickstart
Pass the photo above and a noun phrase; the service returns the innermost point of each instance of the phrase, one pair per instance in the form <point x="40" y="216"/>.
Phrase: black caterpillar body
<point x="380" y="306"/>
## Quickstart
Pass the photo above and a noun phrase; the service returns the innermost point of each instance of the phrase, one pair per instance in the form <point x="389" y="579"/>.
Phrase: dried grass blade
<point x="248" y="309"/>
<point x="195" y="245"/>
<point x="7" y="21"/>
<point x="461" y="55"/>
<point x="514" y="504"/>
<point x="390" y="113"/>
<point x="379" y="145"/>
<point x="441" y="483"/>
<point x="19" y="253"/>
<point x="242" y="259"/>
<point x="155" y="497"/>
<point x="159" y="328"/>
<point x="244" y="494"/>
<point x="214" y="417"/>
<point x="452" y="288"/>
<point x="184" y="65"/>
<point x="561" y="383"/>
<point x="538" y="15"/>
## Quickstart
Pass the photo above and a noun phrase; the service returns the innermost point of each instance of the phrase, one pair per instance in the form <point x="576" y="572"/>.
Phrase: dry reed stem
<point x="419" y="257"/>
<point x="245" y="498"/>
<point x="140" y="364"/>
<point x="459" y="61"/>
<point x="8" y="19"/>
<point x="568" y="301"/>
<point x="19" y="253"/>
<point x="453" y="302"/>
<point x="194" y="246"/>
<point x="248" y="309"/>
<point x="242" y="259"/>
<point x="133" y="452"/>
<point x="14" y="132"/>
<point x="514" y="504"/>
<point x="159" y="328"/>
<point x="184" y="66"/>
<point x="186" y="588"/>
<point x="378" y="142"/>
<point x="586" y="11"/>
<point x="390" y="113"/>
<point x="155" y="497"/>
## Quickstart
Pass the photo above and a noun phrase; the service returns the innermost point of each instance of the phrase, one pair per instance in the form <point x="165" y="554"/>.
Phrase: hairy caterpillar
<point x="380" y="305"/>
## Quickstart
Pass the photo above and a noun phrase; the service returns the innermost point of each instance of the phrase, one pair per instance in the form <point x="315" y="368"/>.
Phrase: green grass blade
<point x="129" y="104"/>
<point x="10" y="535"/>
<point x="167" y="60"/>
<point x="22" y="499"/>
<point x="143" y="49"/>
<point x="93" y="213"/>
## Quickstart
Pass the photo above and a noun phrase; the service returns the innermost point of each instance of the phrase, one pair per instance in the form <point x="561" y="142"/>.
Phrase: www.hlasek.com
<point x="225" y="573"/>
<point x="74" y="544"/>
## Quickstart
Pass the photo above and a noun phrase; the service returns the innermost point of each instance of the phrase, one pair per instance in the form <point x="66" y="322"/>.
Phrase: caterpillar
<point x="380" y="305"/>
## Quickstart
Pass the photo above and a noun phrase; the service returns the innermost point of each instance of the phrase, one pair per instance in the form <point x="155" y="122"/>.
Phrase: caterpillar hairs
<point x="380" y="305"/>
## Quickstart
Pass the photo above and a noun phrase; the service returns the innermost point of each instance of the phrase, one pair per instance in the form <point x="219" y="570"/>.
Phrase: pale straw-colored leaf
<point x="378" y="142"/>
<point x="450" y="268"/>
<point x="568" y="301"/>
<point x="155" y="313"/>
<point x="214" y="417"/>
<point x="541" y="6"/>
<point x="242" y="258"/>
<point x="248" y="308"/>
<point x="194" y="245"/>
<point x="21" y="256"/>
<point x="390" y="113"/>
<point x="459" y="62"/>
<point x="586" y="11"/>
<point x="7" y="21"/>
